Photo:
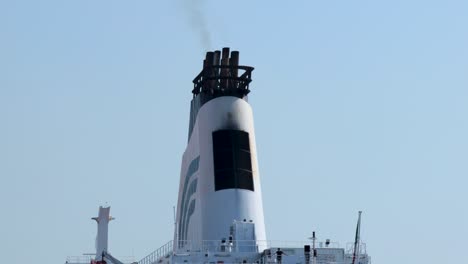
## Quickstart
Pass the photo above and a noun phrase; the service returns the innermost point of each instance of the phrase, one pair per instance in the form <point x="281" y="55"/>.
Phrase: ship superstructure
<point x="219" y="215"/>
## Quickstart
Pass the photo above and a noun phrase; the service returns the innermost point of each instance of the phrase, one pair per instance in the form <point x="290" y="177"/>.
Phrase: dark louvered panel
<point x="232" y="160"/>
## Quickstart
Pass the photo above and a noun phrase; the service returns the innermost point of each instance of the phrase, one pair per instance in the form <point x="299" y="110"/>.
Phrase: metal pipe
<point x="209" y="58"/>
<point x="225" y="53"/>
<point x="217" y="57"/>
<point x="234" y="62"/>
<point x="209" y="73"/>
<point x="225" y="71"/>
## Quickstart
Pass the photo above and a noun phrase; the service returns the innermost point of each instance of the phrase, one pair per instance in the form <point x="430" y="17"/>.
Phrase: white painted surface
<point x="102" y="220"/>
<point x="216" y="211"/>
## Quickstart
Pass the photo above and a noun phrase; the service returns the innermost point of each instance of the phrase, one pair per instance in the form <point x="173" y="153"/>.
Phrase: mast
<point x="314" y="251"/>
<point x="102" y="220"/>
<point x="357" y="240"/>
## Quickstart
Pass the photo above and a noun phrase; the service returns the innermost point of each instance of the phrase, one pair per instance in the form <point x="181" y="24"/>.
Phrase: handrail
<point x="86" y="259"/>
<point x="245" y="246"/>
<point x="214" y="78"/>
<point x="78" y="259"/>
<point x="154" y="256"/>
<point x="184" y="246"/>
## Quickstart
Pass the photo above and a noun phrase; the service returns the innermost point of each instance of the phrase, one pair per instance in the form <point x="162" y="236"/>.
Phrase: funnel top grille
<point x="222" y="76"/>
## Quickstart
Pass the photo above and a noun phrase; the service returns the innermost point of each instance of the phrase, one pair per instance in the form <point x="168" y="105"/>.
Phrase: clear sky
<point x="358" y="105"/>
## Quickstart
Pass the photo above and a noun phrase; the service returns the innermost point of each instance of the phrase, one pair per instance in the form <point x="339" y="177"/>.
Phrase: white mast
<point x="102" y="220"/>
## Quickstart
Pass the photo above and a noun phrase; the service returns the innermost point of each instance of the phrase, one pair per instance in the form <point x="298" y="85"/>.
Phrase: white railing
<point x="86" y="259"/>
<point x="159" y="253"/>
<point x="213" y="246"/>
<point x="245" y="245"/>
<point x="79" y="259"/>
<point x="125" y="260"/>
<point x="300" y="244"/>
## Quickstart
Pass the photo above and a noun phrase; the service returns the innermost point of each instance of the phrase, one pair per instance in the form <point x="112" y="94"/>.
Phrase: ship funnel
<point x="219" y="181"/>
<point x="221" y="76"/>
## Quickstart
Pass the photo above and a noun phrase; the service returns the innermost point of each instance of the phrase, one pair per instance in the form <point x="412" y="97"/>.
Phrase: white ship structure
<point x="219" y="215"/>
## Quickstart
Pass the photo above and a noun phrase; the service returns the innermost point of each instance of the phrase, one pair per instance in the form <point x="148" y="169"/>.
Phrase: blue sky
<point x="358" y="105"/>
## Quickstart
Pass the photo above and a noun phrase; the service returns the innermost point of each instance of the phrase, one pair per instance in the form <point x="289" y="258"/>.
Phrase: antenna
<point x="314" y="251"/>
<point x="357" y="239"/>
